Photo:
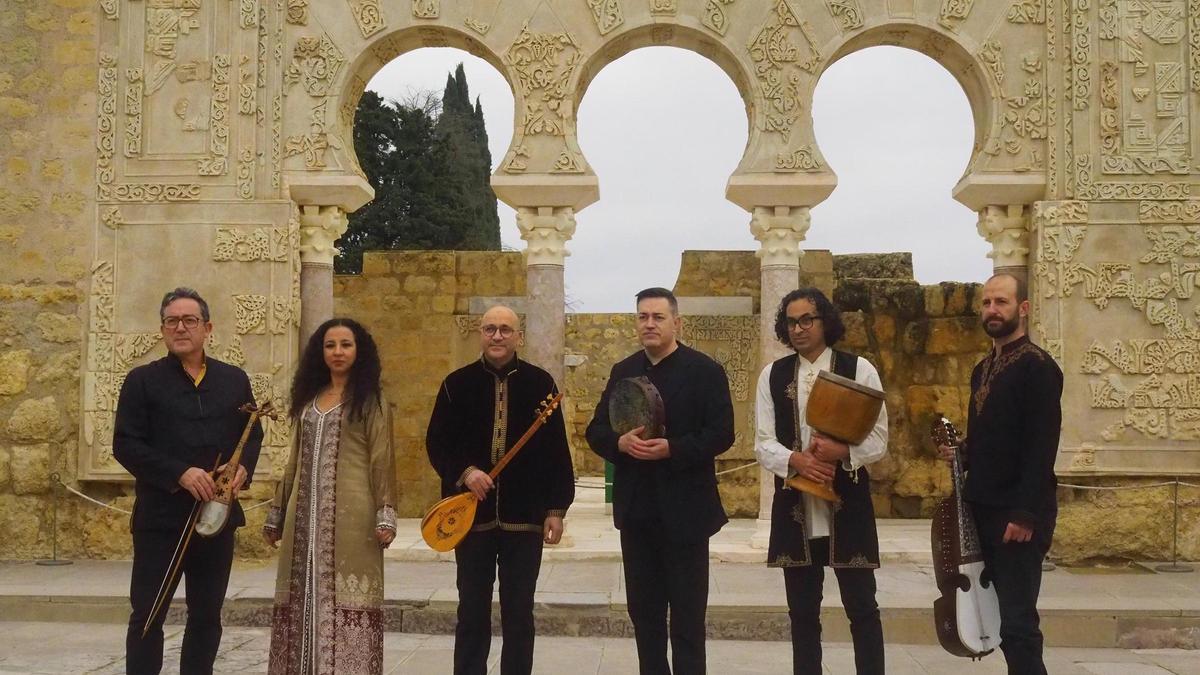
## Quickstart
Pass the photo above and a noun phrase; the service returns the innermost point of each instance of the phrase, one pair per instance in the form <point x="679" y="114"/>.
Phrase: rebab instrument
<point x="967" y="616"/>
<point x="449" y="520"/>
<point x="208" y="518"/>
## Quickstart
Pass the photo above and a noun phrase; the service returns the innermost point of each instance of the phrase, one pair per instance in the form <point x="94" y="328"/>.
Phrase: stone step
<point x="590" y="536"/>
<point x="1129" y="628"/>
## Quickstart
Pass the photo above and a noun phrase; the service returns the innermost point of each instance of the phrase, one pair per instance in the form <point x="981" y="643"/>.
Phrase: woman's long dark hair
<point x="312" y="375"/>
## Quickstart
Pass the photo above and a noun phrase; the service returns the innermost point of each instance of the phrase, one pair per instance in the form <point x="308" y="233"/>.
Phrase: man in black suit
<point x="176" y="418"/>
<point x="665" y="500"/>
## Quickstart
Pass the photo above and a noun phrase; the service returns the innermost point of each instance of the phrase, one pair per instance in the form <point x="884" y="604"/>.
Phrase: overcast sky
<point x="663" y="129"/>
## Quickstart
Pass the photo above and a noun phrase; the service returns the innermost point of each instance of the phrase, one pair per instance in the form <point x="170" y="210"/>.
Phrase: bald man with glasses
<point x="480" y="412"/>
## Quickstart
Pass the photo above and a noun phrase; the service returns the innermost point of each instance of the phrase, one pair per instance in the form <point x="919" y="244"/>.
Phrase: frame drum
<point x="842" y="408"/>
<point x="635" y="402"/>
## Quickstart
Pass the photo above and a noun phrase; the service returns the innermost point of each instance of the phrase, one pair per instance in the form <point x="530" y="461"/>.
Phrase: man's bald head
<point x="499" y="335"/>
<point x="501" y="312"/>
<point x="1009" y="282"/>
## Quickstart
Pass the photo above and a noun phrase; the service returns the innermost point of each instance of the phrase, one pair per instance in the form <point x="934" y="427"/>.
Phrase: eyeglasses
<point x="189" y="322"/>
<point x="504" y="331"/>
<point x="802" y="322"/>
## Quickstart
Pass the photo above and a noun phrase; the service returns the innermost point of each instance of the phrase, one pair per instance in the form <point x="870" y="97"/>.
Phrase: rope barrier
<point x="736" y="468"/>
<point x="94" y="501"/>
<point x="110" y="507"/>
<point x="1115" y="488"/>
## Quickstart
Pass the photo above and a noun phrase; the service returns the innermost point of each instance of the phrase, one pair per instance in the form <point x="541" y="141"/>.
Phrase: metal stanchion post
<point x="1175" y="565"/>
<point x="54" y="561"/>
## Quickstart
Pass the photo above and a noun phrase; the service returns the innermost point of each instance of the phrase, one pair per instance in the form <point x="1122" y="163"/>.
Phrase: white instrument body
<point x="213" y="516"/>
<point x="978" y="611"/>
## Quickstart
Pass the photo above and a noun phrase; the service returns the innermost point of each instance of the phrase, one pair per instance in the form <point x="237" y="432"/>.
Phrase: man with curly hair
<point x="806" y="533"/>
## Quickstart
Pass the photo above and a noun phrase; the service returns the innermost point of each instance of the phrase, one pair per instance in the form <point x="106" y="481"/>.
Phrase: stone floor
<point x="97" y="648"/>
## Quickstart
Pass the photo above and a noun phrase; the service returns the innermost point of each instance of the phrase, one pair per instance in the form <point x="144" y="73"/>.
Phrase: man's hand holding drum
<point x="648" y="449"/>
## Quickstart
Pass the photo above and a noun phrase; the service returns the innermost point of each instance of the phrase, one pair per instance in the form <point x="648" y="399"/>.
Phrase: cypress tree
<point x="431" y="173"/>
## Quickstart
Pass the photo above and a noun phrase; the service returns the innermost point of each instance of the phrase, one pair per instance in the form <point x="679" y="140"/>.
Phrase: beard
<point x="1003" y="329"/>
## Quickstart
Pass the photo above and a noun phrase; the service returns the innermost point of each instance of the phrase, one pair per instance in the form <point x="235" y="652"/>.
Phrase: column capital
<point x="779" y="230"/>
<point x="547" y="229"/>
<point x="1006" y="228"/>
<point x="320" y="227"/>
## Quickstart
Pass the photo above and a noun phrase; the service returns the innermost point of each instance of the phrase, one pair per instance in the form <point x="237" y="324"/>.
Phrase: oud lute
<point x="448" y="521"/>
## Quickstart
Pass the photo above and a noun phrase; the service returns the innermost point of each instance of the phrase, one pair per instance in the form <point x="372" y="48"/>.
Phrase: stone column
<point x="779" y="231"/>
<point x="320" y="227"/>
<point x="547" y="230"/>
<point x="1007" y="229"/>
<point x="324" y="199"/>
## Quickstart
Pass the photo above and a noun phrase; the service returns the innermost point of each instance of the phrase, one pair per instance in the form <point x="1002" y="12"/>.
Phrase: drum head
<point x="635" y="402"/>
<point x="850" y="384"/>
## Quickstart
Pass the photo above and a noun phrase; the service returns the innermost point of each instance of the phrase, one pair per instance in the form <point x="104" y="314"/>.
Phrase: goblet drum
<point x="844" y="410"/>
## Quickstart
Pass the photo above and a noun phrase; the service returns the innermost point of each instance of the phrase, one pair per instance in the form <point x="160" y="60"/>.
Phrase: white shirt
<point x="773" y="455"/>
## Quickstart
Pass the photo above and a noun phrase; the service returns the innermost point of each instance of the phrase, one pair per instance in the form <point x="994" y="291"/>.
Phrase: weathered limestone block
<point x="956" y="335"/>
<point x="106" y="534"/>
<point x="14" y="371"/>
<point x="923" y="477"/>
<point x="30" y="468"/>
<point x="35" y="420"/>
<point x="884" y="328"/>
<point x="5" y="470"/>
<point x="61" y="367"/>
<point x="951" y="299"/>
<point x="903" y="299"/>
<point x="873" y="266"/>
<point x="718" y="273"/>
<point x="855" y="338"/>
<point x="1126" y="524"/>
<point x="925" y="401"/>
<point x="24" y="520"/>
<point x="59" y="328"/>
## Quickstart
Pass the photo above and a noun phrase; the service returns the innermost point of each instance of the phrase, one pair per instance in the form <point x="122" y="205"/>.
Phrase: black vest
<point x="853" y="540"/>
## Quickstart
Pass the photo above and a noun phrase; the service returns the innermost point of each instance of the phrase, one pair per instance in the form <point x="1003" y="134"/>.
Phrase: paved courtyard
<point x="54" y="648"/>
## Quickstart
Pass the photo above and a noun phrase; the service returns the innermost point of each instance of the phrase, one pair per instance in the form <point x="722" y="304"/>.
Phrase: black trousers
<point x="518" y="556"/>
<point x="662" y="575"/>
<point x="804" y="586"/>
<point x="1016" y="569"/>
<point x="205" y="573"/>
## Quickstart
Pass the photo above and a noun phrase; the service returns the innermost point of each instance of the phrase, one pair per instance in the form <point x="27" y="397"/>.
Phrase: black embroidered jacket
<point x="479" y="414"/>
<point x="1012" y="432"/>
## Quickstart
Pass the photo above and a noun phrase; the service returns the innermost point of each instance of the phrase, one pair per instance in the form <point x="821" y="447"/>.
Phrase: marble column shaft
<point x="320" y="227"/>
<point x="546" y="230"/>
<point x="780" y="231"/>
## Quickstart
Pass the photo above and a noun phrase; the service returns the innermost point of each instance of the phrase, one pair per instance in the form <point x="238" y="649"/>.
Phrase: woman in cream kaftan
<point x="333" y="512"/>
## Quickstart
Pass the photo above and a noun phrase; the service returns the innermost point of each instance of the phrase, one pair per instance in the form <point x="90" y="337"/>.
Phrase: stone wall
<point x="47" y="126"/>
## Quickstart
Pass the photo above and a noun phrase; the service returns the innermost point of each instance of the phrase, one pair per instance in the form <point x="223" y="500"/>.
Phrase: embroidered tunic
<point x="1012" y="432"/>
<point x="338" y="488"/>
<point x="781" y="399"/>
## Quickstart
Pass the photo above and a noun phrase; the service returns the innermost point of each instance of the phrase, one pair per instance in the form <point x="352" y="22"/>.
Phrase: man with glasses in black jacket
<point x="177" y="417"/>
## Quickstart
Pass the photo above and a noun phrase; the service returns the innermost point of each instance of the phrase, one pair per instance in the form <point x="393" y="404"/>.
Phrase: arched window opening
<point x="897" y="128"/>
<point x="663" y="128"/>
<point x="419" y="137"/>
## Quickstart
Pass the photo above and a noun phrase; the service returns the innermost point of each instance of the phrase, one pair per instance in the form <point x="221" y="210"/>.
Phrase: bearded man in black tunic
<point x="480" y="412"/>
<point x="809" y="533"/>
<point x="1012" y="438"/>
<point x="665" y="499"/>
